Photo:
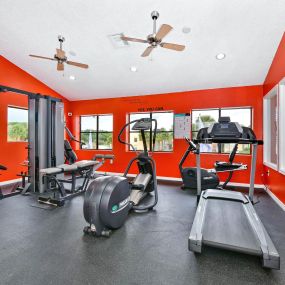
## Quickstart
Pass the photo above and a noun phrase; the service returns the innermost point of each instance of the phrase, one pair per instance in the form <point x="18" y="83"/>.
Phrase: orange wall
<point x="276" y="181"/>
<point x="167" y="163"/>
<point x="13" y="153"/>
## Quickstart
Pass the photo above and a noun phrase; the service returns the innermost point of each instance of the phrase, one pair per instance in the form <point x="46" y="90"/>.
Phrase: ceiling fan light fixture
<point x="133" y="69"/>
<point x="220" y="56"/>
<point x="72" y="77"/>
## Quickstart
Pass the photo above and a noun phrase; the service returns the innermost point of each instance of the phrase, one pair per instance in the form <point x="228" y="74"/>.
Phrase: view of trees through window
<point x="96" y="131"/>
<point x="205" y="118"/>
<point x="164" y="136"/>
<point x="17" y="124"/>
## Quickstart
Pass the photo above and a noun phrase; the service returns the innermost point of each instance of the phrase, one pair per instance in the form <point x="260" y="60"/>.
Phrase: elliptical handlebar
<point x="121" y="132"/>
<point x="134" y="121"/>
<point x="155" y="130"/>
<point x="191" y="144"/>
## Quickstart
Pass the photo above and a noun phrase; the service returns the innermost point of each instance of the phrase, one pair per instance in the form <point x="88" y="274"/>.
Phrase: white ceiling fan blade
<point x="147" y="51"/>
<point x="173" y="46"/>
<point x="60" y="66"/>
<point x="163" y="31"/>
<point x="133" y="39"/>
<point x="43" y="57"/>
<point x="82" y="65"/>
<point x="60" y="53"/>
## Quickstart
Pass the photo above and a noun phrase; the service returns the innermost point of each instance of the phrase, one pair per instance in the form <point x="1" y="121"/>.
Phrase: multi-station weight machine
<point x="45" y="136"/>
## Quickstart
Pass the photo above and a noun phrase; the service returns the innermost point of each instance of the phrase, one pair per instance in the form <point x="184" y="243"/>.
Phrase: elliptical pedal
<point x="89" y="231"/>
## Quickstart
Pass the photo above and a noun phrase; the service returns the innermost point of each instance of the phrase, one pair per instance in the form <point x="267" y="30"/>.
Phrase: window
<point x="205" y="118"/>
<point x="202" y="119"/>
<point x="274" y="128"/>
<point x="96" y="131"/>
<point x="17" y="124"/>
<point x="282" y="126"/>
<point x="164" y="135"/>
<point x="270" y="126"/>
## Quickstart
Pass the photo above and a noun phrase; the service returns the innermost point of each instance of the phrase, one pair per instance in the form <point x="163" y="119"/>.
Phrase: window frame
<point x="219" y="116"/>
<point x="279" y="91"/>
<point x="21" y="108"/>
<point x="281" y="126"/>
<point x="96" y="132"/>
<point x="150" y="115"/>
<point x="267" y="128"/>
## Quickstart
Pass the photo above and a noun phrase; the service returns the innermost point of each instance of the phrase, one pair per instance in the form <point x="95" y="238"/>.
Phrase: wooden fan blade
<point x="82" y="65"/>
<point x="147" y="51"/>
<point x="163" y="31"/>
<point x="173" y="46"/>
<point x="60" y="53"/>
<point x="60" y="66"/>
<point x="43" y="57"/>
<point x="133" y="40"/>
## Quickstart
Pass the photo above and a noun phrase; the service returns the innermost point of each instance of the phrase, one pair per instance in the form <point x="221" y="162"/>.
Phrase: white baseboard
<point x="8" y="182"/>
<point x="275" y="199"/>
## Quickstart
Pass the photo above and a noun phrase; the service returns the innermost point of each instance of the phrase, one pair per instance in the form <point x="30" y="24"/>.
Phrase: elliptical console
<point x="109" y="199"/>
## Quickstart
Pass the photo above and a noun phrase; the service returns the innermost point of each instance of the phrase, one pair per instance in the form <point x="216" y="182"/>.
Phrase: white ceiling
<point x="248" y="32"/>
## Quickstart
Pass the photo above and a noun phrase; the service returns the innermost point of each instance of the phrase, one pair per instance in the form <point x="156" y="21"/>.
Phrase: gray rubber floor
<point x="48" y="247"/>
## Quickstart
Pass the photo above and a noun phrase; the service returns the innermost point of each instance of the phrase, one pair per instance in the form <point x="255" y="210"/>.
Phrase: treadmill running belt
<point x="227" y="226"/>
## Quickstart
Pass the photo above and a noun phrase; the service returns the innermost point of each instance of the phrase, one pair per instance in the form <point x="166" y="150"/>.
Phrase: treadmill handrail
<point x="228" y="140"/>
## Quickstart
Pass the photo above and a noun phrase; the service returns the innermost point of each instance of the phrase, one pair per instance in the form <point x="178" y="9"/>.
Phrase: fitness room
<point x="142" y="142"/>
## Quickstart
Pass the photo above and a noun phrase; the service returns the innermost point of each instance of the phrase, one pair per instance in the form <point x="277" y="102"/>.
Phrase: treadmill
<point x="227" y="219"/>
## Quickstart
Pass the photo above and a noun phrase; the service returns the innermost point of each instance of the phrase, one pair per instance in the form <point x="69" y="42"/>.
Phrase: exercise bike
<point x="109" y="199"/>
<point x="209" y="177"/>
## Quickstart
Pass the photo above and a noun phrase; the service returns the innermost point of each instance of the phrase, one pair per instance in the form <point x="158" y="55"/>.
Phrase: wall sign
<point x="182" y="125"/>
<point x="150" y="109"/>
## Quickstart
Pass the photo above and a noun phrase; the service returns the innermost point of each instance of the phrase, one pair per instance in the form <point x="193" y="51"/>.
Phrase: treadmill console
<point x="225" y="128"/>
<point x="226" y="131"/>
<point x="143" y="124"/>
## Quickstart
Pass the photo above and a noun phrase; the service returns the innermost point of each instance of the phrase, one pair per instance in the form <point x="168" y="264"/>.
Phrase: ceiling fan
<point x="155" y="39"/>
<point x="60" y="57"/>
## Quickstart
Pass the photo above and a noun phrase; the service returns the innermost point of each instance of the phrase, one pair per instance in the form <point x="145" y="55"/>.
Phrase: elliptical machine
<point x="109" y="199"/>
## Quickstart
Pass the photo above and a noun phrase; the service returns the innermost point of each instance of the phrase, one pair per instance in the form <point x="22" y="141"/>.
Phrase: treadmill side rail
<point x="266" y="249"/>
<point x="270" y="256"/>
<point x="196" y="234"/>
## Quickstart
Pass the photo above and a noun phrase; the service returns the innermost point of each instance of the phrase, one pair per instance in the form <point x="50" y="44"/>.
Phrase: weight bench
<point x="59" y="186"/>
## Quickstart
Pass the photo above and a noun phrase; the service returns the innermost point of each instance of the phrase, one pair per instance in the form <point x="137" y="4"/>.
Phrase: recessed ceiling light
<point x="220" y="56"/>
<point x="186" y="30"/>
<point x="133" y="69"/>
<point x="72" y="77"/>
